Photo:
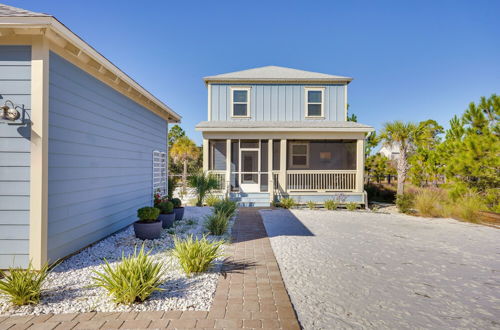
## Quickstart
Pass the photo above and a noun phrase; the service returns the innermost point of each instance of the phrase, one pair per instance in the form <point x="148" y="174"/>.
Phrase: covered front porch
<point x="305" y="169"/>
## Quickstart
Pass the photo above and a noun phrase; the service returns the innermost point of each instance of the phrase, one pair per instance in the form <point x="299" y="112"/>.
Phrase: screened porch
<point x="286" y="165"/>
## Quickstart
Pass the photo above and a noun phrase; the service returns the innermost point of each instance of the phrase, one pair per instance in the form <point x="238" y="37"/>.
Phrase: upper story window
<point x="240" y="101"/>
<point x="314" y="102"/>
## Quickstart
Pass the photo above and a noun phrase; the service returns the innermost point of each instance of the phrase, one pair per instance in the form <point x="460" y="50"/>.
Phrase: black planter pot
<point x="147" y="230"/>
<point x="167" y="220"/>
<point x="179" y="213"/>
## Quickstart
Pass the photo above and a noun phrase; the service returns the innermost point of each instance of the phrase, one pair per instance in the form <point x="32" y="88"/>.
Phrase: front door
<point x="249" y="170"/>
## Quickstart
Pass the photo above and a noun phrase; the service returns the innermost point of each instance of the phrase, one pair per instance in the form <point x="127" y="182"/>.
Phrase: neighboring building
<point x="274" y="132"/>
<point x="391" y="152"/>
<point x="78" y="162"/>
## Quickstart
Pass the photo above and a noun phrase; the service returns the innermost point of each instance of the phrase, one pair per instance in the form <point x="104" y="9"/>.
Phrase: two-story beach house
<point x="276" y="132"/>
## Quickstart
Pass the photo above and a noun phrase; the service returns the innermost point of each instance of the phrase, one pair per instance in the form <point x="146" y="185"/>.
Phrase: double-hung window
<point x="314" y="102"/>
<point x="240" y="101"/>
<point x="299" y="155"/>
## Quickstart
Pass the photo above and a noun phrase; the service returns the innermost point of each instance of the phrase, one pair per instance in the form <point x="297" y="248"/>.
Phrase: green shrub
<point x="23" y="286"/>
<point x="287" y="203"/>
<point x="177" y="202"/>
<point x="331" y="205"/>
<point x="311" y="205"/>
<point x="203" y="184"/>
<point x="431" y="202"/>
<point x="492" y="199"/>
<point x="216" y="223"/>
<point x="226" y="206"/>
<point x="148" y="214"/>
<point x="196" y="255"/>
<point x="351" y="206"/>
<point x="404" y="202"/>
<point x="134" y="279"/>
<point x="166" y="207"/>
<point x="212" y="200"/>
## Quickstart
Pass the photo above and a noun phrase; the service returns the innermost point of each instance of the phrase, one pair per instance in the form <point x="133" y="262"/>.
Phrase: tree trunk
<point x="402" y="170"/>
<point x="184" y="176"/>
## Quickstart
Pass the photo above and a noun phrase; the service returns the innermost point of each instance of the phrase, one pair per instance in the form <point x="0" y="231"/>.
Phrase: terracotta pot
<point x="147" y="230"/>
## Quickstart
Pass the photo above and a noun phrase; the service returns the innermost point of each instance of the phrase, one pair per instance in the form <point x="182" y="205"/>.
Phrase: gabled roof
<point x="9" y="11"/>
<point x="273" y="73"/>
<point x="253" y="125"/>
<point x="16" y="21"/>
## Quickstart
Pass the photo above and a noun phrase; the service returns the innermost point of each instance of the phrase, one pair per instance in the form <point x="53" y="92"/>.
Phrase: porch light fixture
<point x="9" y="113"/>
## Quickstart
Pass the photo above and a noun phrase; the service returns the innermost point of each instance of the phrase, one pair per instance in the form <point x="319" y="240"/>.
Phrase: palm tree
<point x="182" y="151"/>
<point x="203" y="184"/>
<point x="403" y="136"/>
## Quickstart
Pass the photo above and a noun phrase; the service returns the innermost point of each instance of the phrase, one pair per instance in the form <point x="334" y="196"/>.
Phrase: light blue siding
<point x="100" y="158"/>
<point x="15" y="85"/>
<point x="278" y="102"/>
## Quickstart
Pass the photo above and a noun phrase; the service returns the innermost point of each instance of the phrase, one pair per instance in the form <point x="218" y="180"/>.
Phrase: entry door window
<point x="249" y="166"/>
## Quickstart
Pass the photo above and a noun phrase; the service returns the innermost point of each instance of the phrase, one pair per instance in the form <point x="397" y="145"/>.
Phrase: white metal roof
<point x="312" y="125"/>
<point x="276" y="73"/>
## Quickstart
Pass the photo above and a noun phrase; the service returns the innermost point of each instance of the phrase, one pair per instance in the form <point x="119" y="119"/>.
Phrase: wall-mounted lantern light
<point x="9" y="113"/>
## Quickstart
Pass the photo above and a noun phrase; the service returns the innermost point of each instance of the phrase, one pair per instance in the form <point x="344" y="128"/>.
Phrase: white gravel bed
<point x="67" y="287"/>
<point x="365" y="270"/>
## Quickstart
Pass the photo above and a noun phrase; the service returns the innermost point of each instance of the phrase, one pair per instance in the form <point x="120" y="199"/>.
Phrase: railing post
<point x="360" y="165"/>
<point x="283" y="178"/>
<point x="228" y="167"/>
<point x="205" y="155"/>
<point x="270" y="170"/>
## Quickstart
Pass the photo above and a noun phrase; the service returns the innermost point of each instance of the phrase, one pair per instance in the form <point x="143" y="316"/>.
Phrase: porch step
<point x="251" y="199"/>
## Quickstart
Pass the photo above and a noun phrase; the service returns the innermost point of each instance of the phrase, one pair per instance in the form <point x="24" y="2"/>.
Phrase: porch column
<point x="270" y="178"/>
<point x="282" y="176"/>
<point x="228" y="165"/>
<point x="360" y="164"/>
<point x="205" y="155"/>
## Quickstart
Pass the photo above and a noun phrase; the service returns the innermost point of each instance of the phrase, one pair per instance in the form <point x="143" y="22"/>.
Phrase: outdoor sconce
<point x="9" y="113"/>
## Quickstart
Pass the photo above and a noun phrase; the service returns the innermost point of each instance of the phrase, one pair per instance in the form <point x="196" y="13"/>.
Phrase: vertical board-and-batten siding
<point x="277" y="102"/>
<point x="101" y="146"/>
<point x="15" y="85"/>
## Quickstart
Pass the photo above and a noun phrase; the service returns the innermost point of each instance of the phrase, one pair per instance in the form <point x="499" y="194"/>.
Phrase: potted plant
<point x="148" y="226"/>
<point x="167" y="215"/>
<point x="178" y="208"/>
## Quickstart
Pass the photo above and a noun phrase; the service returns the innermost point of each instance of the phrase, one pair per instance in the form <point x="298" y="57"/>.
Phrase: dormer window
<point x="314" y="102"/>
<point x="240" y="102"/>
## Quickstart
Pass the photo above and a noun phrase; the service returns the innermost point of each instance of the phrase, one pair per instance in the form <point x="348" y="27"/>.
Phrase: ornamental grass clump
<point x="351" y="206"/>
<point x="287" y="203"/>
<point x="211" y="200"/>
<point x="331" y="205"/>
<point x="196" y="255"/>
<point x="23" y="286"/>
<point x="468" y="207"/>
<point x="216" y="223"/>
<point x="133" y="280"/>
<point x="311" y="205"/>
<point x="226" y="206"/>
<point x="431" y="202"/>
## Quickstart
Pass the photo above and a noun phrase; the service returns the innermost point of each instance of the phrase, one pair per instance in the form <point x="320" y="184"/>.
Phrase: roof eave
<point x="211" y="80"/>
<point x="52" y="24"/>
<point x="286" y="129"/>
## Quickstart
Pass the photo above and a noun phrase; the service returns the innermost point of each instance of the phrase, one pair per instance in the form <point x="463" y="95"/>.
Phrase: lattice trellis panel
<point x="160" y="172"/>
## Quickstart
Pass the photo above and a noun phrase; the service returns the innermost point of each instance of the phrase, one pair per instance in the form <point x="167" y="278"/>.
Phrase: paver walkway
<point x="250" y="294"/>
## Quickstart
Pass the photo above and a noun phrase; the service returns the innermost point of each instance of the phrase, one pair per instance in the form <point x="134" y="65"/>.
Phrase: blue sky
<point x="411" y="60"/>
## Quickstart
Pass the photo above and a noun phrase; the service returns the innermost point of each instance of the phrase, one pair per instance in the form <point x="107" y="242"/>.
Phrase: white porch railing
<point x="221" y="179"/>
<point x="321" y="180"/>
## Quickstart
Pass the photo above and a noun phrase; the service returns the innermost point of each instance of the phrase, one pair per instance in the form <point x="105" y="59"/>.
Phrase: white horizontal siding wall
<point x="278" y="102"/>
<point x="101" y="146"/>
<point x="15" y="85"/>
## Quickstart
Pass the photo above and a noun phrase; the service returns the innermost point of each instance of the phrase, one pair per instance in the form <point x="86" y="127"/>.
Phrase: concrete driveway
<point x="370" y="270"/>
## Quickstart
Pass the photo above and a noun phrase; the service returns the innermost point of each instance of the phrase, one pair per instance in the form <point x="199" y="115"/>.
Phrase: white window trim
<point x="248" y="89"/>
<point x="306" y="103"/>
<point x="291" y="154"/>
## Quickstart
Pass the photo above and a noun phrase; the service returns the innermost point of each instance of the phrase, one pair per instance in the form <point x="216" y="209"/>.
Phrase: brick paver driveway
<point x="250" y="294"/>
<point x="367" y="270"/>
